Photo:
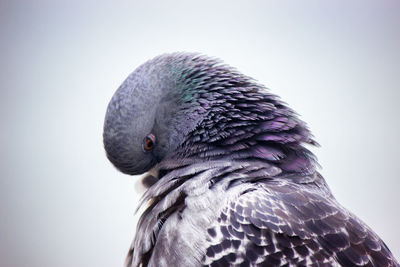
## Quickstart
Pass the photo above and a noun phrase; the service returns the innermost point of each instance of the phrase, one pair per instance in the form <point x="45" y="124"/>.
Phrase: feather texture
<point x="232" y="182"/>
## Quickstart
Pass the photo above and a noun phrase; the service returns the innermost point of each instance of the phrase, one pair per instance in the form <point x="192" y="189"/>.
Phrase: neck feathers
<point x="241" y="120"/>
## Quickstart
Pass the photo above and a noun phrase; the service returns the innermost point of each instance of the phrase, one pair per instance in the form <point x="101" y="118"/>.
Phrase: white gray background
<point x="62" y="203"/>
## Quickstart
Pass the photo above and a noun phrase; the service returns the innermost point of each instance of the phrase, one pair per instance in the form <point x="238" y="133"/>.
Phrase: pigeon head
<point x="148" y="116"/>
<point x="191" y="106"/>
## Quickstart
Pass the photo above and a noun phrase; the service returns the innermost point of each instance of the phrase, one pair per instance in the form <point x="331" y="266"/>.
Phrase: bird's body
<point x="236" y="185"/>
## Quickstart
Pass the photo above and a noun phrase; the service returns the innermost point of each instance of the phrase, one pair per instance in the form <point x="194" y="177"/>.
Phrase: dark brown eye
<point x="149" y="142"/>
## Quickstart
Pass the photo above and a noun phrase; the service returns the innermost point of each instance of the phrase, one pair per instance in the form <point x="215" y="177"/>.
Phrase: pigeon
<point x="232" y="179"/>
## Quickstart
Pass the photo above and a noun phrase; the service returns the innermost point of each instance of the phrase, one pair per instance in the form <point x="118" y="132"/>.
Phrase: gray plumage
<point x="235" y="184"/>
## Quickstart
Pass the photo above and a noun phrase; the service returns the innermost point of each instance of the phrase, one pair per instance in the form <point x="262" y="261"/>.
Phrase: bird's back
<point x="247" y="214"/>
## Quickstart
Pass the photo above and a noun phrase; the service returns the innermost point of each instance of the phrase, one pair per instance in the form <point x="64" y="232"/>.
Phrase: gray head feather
<point x="145" y="103"/>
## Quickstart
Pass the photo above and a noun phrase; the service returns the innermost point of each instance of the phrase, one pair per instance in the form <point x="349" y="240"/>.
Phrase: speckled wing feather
<point x="280" y="223"/>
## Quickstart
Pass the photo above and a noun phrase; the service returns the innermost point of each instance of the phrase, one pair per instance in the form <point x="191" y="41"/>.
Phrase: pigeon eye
<point x="149" y="142"/>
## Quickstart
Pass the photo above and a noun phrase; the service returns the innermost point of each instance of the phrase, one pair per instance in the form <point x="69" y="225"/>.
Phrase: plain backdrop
<point x="337" y="63"/>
